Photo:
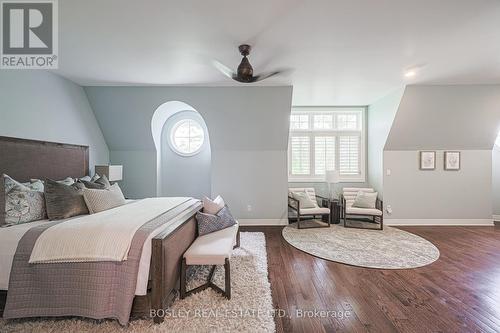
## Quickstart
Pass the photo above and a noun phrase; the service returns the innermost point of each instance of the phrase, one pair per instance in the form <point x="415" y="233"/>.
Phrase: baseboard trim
<point x="262" y="222"/>
<point x="496" y="218"/>
<point x="439" y="222"/>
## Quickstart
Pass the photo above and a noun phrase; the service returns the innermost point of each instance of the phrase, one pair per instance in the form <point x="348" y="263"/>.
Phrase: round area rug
<point x="390" y="248"/>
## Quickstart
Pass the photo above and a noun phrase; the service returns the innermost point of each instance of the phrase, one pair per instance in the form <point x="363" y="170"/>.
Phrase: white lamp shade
<point x="332" y="176"/>
<point x="113" y="172"/>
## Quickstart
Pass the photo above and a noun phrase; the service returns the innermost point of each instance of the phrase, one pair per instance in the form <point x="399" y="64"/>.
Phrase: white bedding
<point x="9" y="238"/>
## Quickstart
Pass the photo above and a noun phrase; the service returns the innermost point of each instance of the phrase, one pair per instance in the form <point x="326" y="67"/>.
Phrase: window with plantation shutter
<point x="300" y="156"/>
<point x="324" y="154"/>
<point x="326" y="138"/>
<point x="349" y="149"/>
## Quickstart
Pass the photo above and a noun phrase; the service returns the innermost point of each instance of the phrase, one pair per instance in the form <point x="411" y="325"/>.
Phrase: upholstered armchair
<point x="374" y="215"/>
<point x="321" y="207"/>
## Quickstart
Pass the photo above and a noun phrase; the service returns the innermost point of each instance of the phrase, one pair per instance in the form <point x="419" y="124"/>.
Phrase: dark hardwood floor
<point x="460" y="292"/>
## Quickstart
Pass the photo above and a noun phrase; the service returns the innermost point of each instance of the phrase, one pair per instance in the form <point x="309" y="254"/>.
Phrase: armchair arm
<point x="294" y="204"/>
<point x="342" y="204"/>
<point x="324" y="201"/>
<point x="379" y="204"/>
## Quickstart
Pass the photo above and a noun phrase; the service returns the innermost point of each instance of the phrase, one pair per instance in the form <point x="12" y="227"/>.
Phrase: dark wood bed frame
<point x="24" y="159"/>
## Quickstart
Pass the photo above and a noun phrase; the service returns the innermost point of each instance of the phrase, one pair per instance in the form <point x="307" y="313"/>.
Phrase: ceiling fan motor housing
<point x="245" y="70"/>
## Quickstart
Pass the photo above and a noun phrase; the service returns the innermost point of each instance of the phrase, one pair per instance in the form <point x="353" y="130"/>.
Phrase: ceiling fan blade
<point x="264" y="76"/>
<point x="224" y="69"/>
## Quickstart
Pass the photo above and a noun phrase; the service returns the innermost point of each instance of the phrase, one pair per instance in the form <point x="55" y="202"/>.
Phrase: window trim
<point x="361" y="178"/>
<point x="174" y="127"/>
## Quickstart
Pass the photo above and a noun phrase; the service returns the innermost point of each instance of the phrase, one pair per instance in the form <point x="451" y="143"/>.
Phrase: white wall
<point x="439" y="196"/>
<point x="446" y="117"/>
<point x="40" y="105"/>
<point x="380" y="117"/>
<point x="248" y="128"/>
<point x="496" y="183"/>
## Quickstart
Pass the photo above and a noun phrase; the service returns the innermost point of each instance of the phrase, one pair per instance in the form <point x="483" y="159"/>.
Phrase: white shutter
<point x="324" y="154"/>
<point x="300" y="155"/>
<point x="348" y="121"/>
<point x="349" y="159"/>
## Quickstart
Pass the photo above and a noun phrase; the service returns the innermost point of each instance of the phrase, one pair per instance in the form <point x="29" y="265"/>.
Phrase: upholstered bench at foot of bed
<point x="211" y="249"/>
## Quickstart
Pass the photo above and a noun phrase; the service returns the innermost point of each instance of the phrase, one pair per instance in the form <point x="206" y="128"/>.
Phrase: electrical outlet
<point x="249" y="208"/>
<point x="388" y="172"/>
<point x="388" y="209"/>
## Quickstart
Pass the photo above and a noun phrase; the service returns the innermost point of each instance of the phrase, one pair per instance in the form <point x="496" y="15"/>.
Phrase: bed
<point x="154" y="272"/>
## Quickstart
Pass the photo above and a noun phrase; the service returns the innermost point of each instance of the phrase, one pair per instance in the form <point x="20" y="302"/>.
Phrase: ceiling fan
<point x="244" y="73"/>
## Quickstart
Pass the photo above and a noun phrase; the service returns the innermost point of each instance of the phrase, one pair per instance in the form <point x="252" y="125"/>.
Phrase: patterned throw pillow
<point x="208" y="223"/>
<point x="23" y="202"/>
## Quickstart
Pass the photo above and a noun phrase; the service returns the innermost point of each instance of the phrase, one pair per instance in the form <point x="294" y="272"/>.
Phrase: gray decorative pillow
<point x="304" y="199"/>
<point x="63" y="201"/>
<point x="365" y="200"/>
<point x="101" y="200"/>
<point x="23" y="202"/>
<point x="208" y="223"/>
<point x="99" y="184"/>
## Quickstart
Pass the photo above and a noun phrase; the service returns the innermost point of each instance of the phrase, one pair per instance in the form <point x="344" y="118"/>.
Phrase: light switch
<point x="388" y="172"/>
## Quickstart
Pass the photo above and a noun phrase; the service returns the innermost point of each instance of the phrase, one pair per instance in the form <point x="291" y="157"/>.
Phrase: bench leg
<point x="227" y="275"/>
<point x="183" y="278"/>
<point x="209" y="284"/>
<point x="237" y="240"/>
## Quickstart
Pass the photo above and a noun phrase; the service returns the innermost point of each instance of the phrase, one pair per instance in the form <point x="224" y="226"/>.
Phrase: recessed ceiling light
<point x="410" y="73"/>
<point x="414" y="70"/>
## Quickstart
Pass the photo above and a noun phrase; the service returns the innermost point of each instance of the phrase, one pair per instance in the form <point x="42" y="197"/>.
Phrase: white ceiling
<point x="343" y="52"/>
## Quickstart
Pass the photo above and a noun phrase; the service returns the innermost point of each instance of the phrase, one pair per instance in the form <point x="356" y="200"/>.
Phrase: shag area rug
<point x="249" y="310"/>
<point x="390" y="248"/>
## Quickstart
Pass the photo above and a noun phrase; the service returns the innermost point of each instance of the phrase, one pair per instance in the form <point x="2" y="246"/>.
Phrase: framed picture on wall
<point x="452" y="160"/>
<point x="427" y="160"/>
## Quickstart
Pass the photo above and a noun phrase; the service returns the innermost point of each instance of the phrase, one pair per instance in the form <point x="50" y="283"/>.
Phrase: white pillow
<point x="101" y="200"/>
<point x="304" y="199"/>
<point x="213" y="206"/>
<point x="365" y="200"/>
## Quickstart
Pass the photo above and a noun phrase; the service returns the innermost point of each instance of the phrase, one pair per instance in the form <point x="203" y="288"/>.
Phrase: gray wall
<point x="248" y="128"/>
<point x="438" y="195"/>
<point x="464" y="118"/>
<point x="139" y="172"/>
<point x="496" y="182"/>
<point x="185" y="176"/>
<point x="380" y="117"/>
<point x="40" y="105"/>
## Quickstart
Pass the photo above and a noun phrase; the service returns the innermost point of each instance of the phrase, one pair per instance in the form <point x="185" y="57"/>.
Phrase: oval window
<point x="187" y="137"/>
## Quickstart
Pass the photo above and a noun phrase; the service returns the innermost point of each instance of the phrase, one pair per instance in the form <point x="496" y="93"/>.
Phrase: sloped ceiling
<point x="446" y="117"/>
<point x="342" y="52"/>
<point x="238" y="118"/>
